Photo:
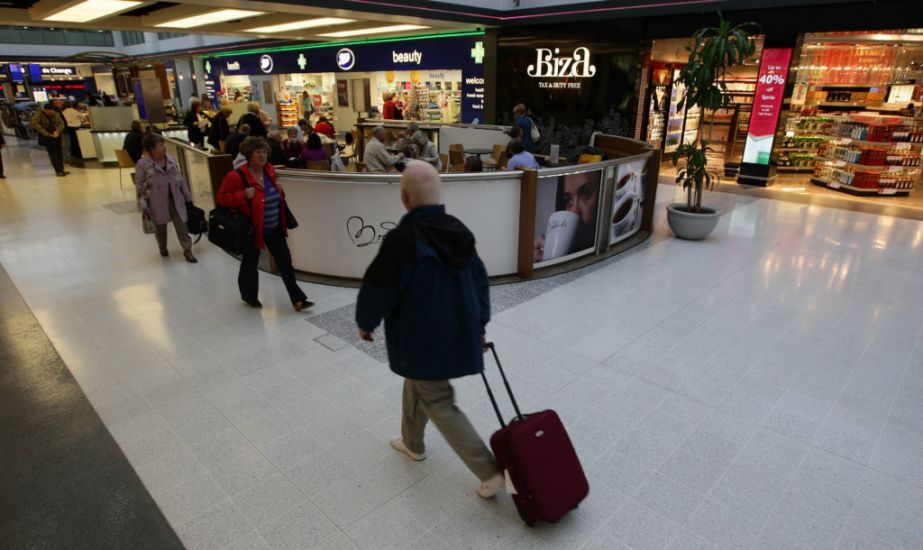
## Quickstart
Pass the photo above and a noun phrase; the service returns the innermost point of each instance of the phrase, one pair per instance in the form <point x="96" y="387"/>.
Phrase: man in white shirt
<point x="377" y="158"/>
<point x="73" y="123"/>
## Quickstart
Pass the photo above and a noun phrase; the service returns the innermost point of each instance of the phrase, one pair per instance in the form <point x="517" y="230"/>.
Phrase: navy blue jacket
<point x="430" y="287"/>
<point x="525" y="124"/>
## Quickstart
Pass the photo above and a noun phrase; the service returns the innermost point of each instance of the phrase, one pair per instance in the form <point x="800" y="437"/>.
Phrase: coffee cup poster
<point x="566" y="212"/>
<point x="627" y="200"/>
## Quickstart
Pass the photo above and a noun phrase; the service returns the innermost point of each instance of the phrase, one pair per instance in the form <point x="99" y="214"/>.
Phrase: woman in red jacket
<point x="324" y="127"/>
<point x="253" y="191"/>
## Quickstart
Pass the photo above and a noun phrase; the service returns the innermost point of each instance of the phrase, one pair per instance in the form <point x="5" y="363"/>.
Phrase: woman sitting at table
<point x="427" y="150"/>
<point x="314" y="152"/>
<point x="324" y="127"/>
<point x="291" y="145"/>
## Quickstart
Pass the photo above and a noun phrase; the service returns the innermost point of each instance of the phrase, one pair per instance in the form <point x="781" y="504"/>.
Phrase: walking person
<point x="430" y="287"/>
<point x="196" y="123"/>
<point x="49" y="125"/>
<point x="2" y="147"/>
<point x="74" y="122"/>
<point x="220" y="129"/>
<point x="163" y="194"/>
<point x="252" y="119"/>
<point x="524" y="123"/>
<point x="253" y="191"/>
<point x="134" y="141"/>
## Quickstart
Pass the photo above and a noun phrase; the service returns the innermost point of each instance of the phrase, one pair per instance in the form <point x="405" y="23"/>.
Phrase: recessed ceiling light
<point x="209" y="18"/>
<point x="91" y="10"/>
<point x="307" y="24"/>
<point x="375" y="30"/>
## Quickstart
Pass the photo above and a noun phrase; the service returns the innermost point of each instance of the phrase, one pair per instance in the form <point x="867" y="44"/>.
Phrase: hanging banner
<point x="767" y="105"/>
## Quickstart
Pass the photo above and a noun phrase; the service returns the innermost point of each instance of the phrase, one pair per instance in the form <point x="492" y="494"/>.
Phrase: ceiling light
<point x="376" y="30"/>
<point x="91" y="10"/>
<point x="209" y="18"/>
<point x="307" y="24"/>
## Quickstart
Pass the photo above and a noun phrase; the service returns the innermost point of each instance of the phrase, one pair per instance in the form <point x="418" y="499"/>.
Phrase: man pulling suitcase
<point x="430" y="287"/>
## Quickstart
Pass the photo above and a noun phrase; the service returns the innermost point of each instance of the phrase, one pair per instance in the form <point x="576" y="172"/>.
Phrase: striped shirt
<point x="271" y="202"/>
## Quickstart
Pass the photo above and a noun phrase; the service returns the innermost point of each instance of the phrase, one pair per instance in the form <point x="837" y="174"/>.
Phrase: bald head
<point x="420" y="185"/>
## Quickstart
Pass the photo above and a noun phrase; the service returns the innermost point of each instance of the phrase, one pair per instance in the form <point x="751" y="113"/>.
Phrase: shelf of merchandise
<point x="795" y="168"/>
<point x="861" y="191"/>
<point x="288" y="114"/>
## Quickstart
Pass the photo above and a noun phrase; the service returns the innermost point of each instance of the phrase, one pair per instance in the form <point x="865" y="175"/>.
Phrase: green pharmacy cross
<point x="477" y="52"/>
<point x="302" y="61"/>
<point x="208" y="67"/>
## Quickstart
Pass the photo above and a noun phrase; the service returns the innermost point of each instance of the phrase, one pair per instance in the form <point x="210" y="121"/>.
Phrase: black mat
<point x="64" y="482"/>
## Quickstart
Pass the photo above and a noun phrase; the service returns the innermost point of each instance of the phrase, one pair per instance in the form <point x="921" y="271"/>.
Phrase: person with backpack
<point x="430" y="287"/>
<point x="526" y="125"/>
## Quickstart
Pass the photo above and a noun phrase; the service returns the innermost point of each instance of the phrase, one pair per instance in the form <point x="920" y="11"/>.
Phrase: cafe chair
<point x="320" y="165"/>
<point x="457" y="169"/>
<point x="444" y="159"/>
<point x="497" y="152"/>
<point x="360" y="166"/>
<point x="125" y="161"/>
<point x="456" y="154"/>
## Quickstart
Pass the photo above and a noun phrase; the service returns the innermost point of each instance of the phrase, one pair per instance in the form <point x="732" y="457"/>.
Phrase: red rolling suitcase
<point x="541" y="462"/>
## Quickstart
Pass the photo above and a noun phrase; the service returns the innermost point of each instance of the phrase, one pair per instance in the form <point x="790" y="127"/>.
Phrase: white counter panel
<point x="342" y="223"/>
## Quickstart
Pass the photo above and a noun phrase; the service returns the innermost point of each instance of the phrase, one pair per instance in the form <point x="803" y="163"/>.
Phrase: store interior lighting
<point x="90" y="10"/>
<point x="306" y="24"/>
<point x="374" y="30"/>
<point x="210" y="18"/>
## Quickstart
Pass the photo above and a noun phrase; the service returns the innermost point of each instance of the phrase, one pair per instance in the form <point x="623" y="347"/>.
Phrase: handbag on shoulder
<point x="230" y="229"/>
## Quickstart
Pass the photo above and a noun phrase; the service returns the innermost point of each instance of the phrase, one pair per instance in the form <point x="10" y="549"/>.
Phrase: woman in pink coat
<point x="163" y="194"/>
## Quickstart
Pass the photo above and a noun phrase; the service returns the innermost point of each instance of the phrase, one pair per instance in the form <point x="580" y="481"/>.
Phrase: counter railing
<point x="523" y="221"/>
<point x="203" y="171"/>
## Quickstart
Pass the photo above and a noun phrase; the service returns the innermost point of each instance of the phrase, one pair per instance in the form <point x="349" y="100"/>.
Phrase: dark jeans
<point x="248" y="279"/>
<point x="74" y="144"/>
<point x="55" y="153"/>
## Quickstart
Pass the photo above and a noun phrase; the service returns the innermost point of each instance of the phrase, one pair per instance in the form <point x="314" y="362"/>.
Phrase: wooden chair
<point x="320" y="165"/>
<point x="456" y="154"/>
<point x="360" y="166"/>
<point x="444" y="159"/>
<point x="125" y="161"/>
<point x="457" y="169"/>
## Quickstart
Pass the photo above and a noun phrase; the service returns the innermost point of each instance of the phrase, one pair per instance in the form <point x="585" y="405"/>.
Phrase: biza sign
<point x="767" y="103"/>
<point x="550" y="64"/>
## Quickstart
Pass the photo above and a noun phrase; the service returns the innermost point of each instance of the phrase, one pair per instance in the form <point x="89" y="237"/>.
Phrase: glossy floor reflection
<point x="760" y="389"/>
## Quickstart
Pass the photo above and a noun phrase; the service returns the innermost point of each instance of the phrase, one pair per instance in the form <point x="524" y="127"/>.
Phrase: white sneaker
<point x="398" y="444"/>
<point x="490" y="487"/>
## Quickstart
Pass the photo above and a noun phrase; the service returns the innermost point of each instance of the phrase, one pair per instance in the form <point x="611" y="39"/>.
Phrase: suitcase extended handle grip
<point x="490" y="393"/>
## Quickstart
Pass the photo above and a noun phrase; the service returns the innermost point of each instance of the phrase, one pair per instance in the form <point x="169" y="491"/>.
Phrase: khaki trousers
<point x="426" y="400"/>
<point x="182" y="232"/>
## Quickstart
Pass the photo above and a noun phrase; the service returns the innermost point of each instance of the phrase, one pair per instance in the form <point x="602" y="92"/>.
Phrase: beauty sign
<point x="770" y="90"/>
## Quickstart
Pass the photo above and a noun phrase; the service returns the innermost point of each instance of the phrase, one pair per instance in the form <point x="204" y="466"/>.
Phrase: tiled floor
<point x="760" y="389"/>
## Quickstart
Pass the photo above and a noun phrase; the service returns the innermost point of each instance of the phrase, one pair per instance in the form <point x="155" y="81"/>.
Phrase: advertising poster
<point x="566" y="212"/>
<point x="342" y="93"/>
<point x="627" y="200"/>
<point x="770" y="89"/>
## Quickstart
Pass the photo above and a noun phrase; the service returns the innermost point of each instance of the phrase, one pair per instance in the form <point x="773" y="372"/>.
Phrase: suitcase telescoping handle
<point x="490" y="393"/>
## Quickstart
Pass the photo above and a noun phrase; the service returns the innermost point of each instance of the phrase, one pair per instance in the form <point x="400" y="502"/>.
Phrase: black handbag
<point x="230" y="229"/>
<point x="196" y="223"/>
<point x="290" y="220"/>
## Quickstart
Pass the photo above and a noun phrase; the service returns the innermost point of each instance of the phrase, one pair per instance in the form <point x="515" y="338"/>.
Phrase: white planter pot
<point x="689" y="225"/>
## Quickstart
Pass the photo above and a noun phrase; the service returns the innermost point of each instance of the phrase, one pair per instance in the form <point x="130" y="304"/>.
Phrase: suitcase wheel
<point x="522" y="516"/>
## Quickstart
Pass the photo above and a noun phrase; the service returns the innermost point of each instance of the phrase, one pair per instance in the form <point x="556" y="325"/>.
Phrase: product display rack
<point x="870" y="155"/>
<point x="742" y="93"/>
<point x="287" y="113"/>
<point x="676" y="118"/>
<point x="720" y="129"/>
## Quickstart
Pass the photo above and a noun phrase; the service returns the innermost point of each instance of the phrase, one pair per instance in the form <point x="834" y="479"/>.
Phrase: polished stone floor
<point x="760" y="389"/>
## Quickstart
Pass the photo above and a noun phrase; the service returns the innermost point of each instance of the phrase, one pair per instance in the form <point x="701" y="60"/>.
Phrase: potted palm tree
<point x="714" y="52"/>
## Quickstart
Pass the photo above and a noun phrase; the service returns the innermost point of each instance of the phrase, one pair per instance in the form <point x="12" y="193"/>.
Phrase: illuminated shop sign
<point x="58" y="70"/>
<point x="346" y="59"/>
<point x="414" y="57"/>
<point x="266" y="64"/>
<point x="233" y="65"/>
<point x="550" y="64"/>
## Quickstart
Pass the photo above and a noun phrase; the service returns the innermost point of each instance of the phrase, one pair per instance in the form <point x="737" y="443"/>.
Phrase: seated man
<point x="377" y="158"/>
<point x="520" y="157"/>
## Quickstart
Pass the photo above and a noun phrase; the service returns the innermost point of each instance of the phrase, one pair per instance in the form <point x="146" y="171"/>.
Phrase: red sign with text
<point x="770" y="90"/>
